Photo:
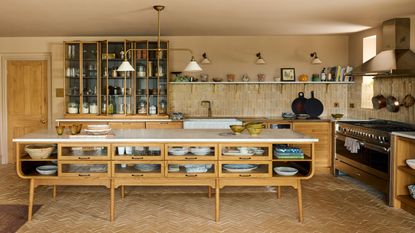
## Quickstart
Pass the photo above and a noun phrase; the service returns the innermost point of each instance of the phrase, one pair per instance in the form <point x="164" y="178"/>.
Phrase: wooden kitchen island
<point x="154" y="157"/>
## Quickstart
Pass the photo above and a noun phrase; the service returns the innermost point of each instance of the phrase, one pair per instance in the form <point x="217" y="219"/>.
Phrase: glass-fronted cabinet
<point x="81" y="77"/>
<point x="102" y="90"/>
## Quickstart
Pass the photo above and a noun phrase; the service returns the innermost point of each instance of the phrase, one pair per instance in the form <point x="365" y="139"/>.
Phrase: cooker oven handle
<point x="368" y="145"/>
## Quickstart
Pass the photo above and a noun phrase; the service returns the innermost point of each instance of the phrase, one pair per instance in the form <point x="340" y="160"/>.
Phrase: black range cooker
<point x="363" y="151"/>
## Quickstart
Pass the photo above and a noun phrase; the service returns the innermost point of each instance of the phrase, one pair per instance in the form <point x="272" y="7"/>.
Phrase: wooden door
<point x="27" y="99"/>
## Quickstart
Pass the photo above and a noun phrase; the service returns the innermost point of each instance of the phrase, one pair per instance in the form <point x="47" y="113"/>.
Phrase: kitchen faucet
<point x="209" y="106"/>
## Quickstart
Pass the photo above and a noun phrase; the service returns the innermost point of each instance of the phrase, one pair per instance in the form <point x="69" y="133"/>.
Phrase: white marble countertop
<point x="410" y="135"/>
<point x="109" y="120"/>
<point x="172" y="135"/>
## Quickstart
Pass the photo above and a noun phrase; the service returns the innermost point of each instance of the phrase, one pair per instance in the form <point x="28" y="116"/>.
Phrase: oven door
<point x="371" y="158"/>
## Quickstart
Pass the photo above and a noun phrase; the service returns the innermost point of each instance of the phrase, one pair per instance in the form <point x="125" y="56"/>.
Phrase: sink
<point x="210" y="123"/>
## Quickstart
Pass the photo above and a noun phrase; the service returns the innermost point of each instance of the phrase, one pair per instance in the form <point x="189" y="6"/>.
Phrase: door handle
<point x="43" y="121"/>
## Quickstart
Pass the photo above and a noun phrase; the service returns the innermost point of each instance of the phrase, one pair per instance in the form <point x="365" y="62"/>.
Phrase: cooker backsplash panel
<point x="397" y="87"/>
<point x="254" y="99"/>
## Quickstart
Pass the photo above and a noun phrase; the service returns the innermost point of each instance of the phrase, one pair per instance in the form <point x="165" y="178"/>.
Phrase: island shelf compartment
<point x="84" y="169"/>
<point x="264" y="169"/>
<point x="233" y="151"/>
<point x="189" y="156"/>
<point x="84" y="151"/>
<point x="132" y="169"/>
<point x="139" y="151"/>
<point x="181" y="172"/>
<point x="304" y="168"/>
<point x="404" y="148"/>
<point x="28" y="168"/>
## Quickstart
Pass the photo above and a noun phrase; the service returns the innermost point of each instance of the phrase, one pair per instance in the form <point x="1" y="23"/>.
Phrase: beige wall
<point x="399" y="87"/>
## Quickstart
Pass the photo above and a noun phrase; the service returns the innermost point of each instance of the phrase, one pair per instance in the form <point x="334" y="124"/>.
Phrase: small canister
<point x="152" y="110"/>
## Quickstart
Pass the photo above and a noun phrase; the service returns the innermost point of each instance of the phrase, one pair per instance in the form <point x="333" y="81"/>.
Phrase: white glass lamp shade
<point x="125" y="66"/>
<point x="192" y="66"/>
<point x="260" y="61"/>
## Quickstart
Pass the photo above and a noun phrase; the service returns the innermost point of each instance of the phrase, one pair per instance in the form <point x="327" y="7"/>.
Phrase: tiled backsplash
<point x="254" y="100"/>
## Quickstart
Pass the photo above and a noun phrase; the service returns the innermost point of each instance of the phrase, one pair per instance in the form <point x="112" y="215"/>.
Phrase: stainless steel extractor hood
<point x="396" y="58"/>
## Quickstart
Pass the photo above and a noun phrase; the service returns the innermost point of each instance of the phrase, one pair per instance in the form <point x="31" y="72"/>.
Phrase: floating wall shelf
<point x="223" y="83"/>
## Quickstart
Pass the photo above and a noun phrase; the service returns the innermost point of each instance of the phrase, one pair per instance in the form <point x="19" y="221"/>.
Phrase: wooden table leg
<point x="54" y="192"/>
<point x="31" y="197"/>
<point x="217" y="206"/>
<point x="122" y="189"/>
<point x="300" y="202"/>
<point x="209" y="191"/>
<point x="278" y="192"/>
<point x="112" y="201"/>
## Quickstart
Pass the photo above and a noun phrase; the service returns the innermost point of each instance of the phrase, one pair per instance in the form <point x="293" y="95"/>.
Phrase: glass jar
<point x="85" y="108"/>
<point x="142" y="107"/>
<point x="72" y="108"/>
<point x="163" y="107"/>
<point x="93" y="108"/>
<point x="153" y="110"/>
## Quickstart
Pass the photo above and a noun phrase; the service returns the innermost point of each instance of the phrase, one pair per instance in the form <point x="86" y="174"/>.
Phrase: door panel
<point x="27" y="99"/>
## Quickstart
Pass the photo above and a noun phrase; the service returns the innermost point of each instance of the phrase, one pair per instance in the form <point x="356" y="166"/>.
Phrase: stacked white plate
<point x="178" y="151"/>
<point x="200" y="150"/>
<point x="98" y="129"/>
<point x="146" y="167"/>
<point x="285" y="171"/>
<point x="240" y="167"/>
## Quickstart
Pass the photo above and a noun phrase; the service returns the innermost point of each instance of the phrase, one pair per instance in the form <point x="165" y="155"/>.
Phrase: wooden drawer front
<point x="185" y="169"/>
<point x="195" y="152"/>
<point x="242" y="152"/>
<point x="264" y="169"/>
<point x="164" y="125"/>
<point x="84" y="151"/>
<point x="312" y="127"/>
<point x="138" y="169"/>
<point x="128" y="125"/>
<point x="85" y="169"/>
<point x="138" y="152"/>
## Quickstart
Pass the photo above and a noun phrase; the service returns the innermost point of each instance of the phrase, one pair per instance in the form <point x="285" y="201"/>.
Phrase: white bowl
<point x="411" y="163"/>
<point x="285" y="171"/>
<point x="47" y="169"/>
<point x="179" y="151"/>
<point x="200" y="150"/>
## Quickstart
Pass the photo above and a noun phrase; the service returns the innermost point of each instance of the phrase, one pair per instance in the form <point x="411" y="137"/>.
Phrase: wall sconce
<point x="205" y="59"/>
<point x="315" y="60"/>
<point x="259" y="60"/>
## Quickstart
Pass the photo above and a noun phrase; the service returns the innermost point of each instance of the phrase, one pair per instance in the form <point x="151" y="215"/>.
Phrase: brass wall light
<point x="259" y="60"/>
<point x="315" y="60"/>
<point x="192" y="66"/>
<point x="205" y="59"/>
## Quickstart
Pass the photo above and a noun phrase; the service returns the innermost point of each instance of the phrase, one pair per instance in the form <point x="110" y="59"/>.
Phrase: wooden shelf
<point x="269" y="82"/>
<point x="407" y="170"/>
<point x="408" y="200"/>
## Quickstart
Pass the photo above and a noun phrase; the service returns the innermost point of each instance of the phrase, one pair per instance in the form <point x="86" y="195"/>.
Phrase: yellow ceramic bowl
<point x="337" y="116"/>
<point x="237" y="129"/>
<point x="257" y="125"/>
<point x="254" y="131"/>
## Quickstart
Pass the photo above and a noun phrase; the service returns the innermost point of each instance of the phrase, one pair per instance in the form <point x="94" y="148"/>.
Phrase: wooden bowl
<point x="237" y="129"/>
<point x="39" y="151"/>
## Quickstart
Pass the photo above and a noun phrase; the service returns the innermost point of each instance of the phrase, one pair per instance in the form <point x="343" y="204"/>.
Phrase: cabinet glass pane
<point x="240" y="151"/>
<point x="138" y="150"/>
<point x="90" y="84"/>
<point x="72" y="79"/>
<point x="177" y="168"/>
<point x="241" y="168"/>
<point x="84" y="168"/>
<point x="104" y="76"/>
<point x="192" y="151"/>
<point x="85" y="151"/>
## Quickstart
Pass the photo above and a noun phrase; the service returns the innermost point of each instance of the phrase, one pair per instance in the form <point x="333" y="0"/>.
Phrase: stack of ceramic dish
<point x="98" y="129"/>
<point x="240" y="167"/>
<point x="146" y="167"/>
<point x="285" y="171"/>
<point x="200" y="150"/>
<point x="287" y="152"/>
<point x="197" y="168"/>
<point x="178" y="151"/>
<point x="47" y="169"/>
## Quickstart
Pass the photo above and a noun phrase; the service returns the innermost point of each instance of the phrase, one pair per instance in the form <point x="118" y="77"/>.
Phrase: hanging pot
<point x="408" y="101"/>
<point x="379" y="101"/>
<point x="392" y="104"/>
<point x="298" y="104"/>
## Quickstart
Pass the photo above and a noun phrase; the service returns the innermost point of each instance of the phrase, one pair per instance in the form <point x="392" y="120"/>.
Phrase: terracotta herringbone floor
<point x="330" y="205"/>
